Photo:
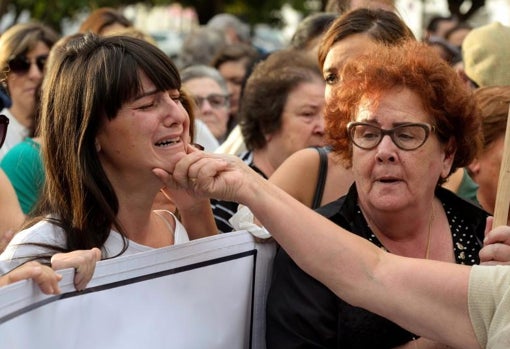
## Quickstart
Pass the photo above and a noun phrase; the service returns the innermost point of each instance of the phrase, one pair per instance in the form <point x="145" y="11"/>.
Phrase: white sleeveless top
<point x="45" y="232"/>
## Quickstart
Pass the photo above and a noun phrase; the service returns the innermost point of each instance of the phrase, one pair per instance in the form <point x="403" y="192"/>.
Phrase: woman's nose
<point x="385" y="150"/>
<point x="173" y="113"/>
<point x="320" y="125"/>
<point x="34" y="72"/>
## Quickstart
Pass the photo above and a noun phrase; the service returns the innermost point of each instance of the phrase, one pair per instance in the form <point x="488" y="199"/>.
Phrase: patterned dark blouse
<point x="303" y="313"/>
<point x="466" y="243"/>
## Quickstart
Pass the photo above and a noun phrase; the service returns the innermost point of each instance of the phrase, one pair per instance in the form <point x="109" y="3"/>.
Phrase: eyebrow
<point x="145" y="94"/>
<point x="330" y="69"/>
<point x="393" y="124"/>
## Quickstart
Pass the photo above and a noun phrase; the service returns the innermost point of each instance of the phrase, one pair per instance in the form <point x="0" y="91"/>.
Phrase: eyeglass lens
<point x="406" y="137"/>
<point x="216" y="101"/>
<point x="4" y="121"/>
<point x="21" y="64"/>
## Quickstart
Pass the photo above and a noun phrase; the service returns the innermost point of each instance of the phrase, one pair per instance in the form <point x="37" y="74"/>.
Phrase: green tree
<point x="252" y="11"/>
<point x="51" y="12"/>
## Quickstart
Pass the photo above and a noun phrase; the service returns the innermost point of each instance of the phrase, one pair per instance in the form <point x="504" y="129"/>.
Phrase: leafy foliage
<point x="51" y="12"/>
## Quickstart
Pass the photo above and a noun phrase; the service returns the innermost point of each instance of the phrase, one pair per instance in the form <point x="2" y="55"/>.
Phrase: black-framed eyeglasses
<point x="216" y="101"/>
<point x="408" y="136"/>
<point x="20" y="64"/>
<point x="4" y="122"/>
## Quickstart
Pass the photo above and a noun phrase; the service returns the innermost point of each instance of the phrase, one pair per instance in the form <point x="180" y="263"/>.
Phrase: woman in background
<point x="104" y="21"/>
<point x="281" y="113"/>
<point x="24" y="49"/>
<point x="316" y="177"/>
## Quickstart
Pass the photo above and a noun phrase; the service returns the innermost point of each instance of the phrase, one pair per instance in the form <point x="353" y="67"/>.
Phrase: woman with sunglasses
<point x="24" y="49"/>
<point x="402" y="122"/>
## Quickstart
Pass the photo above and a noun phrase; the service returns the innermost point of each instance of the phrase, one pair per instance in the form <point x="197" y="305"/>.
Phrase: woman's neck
<point x="23" y="116"/>
<point x="262" y="159"/>
<point x="483" y="200"/>
<point x="144" y="227"/>
<point x="407" y="233"/>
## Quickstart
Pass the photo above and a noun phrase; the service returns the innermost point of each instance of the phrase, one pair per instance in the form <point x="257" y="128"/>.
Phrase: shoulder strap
<point x="161" y="214"/>
<point x="321" y="178"/>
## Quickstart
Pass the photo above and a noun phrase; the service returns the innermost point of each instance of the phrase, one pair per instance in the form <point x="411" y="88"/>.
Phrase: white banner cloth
<point x="208" y="293"/>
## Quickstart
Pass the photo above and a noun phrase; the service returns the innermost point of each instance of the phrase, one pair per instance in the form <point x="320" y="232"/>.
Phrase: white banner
<point x="208" y="293"/>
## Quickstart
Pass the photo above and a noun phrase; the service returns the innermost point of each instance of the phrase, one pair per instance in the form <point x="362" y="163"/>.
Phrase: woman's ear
<point x="449" y="156"/>
<point x="473" y="168"/>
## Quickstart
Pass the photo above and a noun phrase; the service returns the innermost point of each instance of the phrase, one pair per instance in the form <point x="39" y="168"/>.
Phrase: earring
<point x="98" y="146"/>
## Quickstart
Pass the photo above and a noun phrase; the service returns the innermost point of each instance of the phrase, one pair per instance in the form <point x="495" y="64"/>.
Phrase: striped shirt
<point x="224" y="210"/>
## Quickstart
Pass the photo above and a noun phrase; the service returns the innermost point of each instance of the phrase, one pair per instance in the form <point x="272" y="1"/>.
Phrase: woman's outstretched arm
<point x="426" y="297"/>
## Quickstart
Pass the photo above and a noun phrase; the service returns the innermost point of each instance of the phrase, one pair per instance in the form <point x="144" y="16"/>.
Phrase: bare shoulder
<point x="304" y="158"/>
<point x="297" y="175"/>
<point x="301" y="163"/>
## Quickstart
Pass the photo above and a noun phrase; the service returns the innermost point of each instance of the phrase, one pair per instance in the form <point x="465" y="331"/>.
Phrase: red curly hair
<point x="415" y="66"/>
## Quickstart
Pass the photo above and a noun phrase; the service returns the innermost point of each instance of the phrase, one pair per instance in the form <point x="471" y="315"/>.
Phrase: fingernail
<point x="198" y="146"/>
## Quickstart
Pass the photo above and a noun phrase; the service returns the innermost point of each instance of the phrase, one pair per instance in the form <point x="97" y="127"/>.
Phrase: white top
<point x="234" y="144"/>
<point x="16" y="133"/>
<point x="204" y="136"/>
<point x="45" y="232"/>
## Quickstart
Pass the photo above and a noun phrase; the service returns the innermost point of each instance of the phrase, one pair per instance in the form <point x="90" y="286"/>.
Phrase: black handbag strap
<point x="321" y="179"/>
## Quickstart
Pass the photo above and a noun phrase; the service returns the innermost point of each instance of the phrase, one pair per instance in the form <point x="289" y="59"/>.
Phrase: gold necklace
<point x="429" y="234"/>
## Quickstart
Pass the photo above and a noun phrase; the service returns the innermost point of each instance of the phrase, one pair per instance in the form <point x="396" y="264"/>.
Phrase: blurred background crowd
<point x="269" y="24"/>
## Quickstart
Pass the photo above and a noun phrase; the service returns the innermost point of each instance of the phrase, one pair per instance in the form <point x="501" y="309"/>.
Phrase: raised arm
<point x="195" y="213"/>
<point x="426" y="297"/>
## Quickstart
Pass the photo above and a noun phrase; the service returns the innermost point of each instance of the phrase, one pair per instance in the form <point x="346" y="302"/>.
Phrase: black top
<point x="303" y="313"/>
<point x="224" y="210"/>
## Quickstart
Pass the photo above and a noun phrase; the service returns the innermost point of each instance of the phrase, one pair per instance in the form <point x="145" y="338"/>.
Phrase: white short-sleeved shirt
<point x="16" y="133"/>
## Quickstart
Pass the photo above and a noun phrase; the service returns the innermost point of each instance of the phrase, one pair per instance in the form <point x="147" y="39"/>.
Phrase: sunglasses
<point x="21" y="64"/>
<point x="4" y="121"/>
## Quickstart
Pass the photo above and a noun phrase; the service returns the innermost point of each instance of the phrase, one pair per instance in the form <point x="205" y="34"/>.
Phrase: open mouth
<point x="168" y="142"/>
<point x="388" y="180"/>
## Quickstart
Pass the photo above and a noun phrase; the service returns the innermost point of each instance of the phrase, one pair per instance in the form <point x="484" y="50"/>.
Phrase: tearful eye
<point x="146" y="106"/>
<point x="177" y="99"/>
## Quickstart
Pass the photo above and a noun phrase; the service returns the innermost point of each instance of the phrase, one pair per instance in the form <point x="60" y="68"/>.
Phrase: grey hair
<point x="203" y="71"/>
<point x="201" y="46"/>
<point x="223" y="21"/>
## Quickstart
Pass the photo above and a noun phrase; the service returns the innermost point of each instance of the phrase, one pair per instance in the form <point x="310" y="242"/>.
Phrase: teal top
<point x="468" y="189"/>
<point x="23" y="166"/>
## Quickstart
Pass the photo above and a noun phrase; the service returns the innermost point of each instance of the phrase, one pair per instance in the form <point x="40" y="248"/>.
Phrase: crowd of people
<point x="112" y="148"/>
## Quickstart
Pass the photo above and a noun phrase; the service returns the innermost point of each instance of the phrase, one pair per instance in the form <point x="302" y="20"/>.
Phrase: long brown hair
<point x="90" y="78"/>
